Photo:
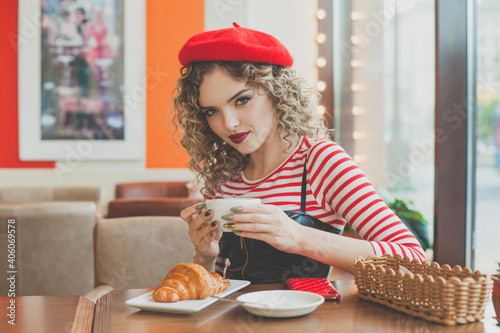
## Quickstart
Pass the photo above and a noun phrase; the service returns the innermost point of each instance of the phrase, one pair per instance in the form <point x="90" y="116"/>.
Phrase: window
<point x="487" y="248"/>
<point x="384" y="95"/>
<point x="417" y="104"/>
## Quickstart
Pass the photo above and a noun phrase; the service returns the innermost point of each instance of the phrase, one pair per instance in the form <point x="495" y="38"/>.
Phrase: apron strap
<point x="303" y="191"/>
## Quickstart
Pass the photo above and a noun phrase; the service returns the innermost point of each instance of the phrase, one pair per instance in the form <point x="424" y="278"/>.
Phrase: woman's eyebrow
<point x="228" y="101"/>
<point x="205" y="107"/>
<point x="237" y="94"/>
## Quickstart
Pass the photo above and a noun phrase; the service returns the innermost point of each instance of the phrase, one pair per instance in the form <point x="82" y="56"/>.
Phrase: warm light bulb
<point x="356" y="135"/>
<point x="321" y="62"/>
<point x="321" y="13"/>
<point x="358" y="158"/>
<point x="356" y="63"/>
<point x="356" y="16"/>
<point x="321" y="110"/>
<point x="355" y="39"/>
<point x="321" y="38"/>
<point x="321" y="85"/>
<point x="355" y="87"/>
<point x="356" y="110"/>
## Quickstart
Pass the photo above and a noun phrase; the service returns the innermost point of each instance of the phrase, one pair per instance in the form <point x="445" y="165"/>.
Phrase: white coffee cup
<point x="221" y="207"/>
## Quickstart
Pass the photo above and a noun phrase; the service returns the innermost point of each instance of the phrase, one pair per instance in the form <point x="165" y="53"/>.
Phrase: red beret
<point x="235" y="44"/>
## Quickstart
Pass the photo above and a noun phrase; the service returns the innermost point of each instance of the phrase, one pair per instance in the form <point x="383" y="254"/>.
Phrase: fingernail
<point x="236" y="231"/>
<point x="229" y="225"/>
<point x="200" y="206"/>
<point x="214" y="223"/>
<point x="227" y="217"/>
<point x="208" y="212"/>
<point x="211" y="234"/>
<point x="236" y="209"/>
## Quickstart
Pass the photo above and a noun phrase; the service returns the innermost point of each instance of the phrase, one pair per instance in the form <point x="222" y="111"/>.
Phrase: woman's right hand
<point x="204" y="236"/>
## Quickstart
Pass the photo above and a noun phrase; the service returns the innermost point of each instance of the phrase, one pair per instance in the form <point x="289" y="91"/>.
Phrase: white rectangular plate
<point x="146" y="301"/>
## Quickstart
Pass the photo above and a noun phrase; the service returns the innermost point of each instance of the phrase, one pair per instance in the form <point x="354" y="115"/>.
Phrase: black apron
<point x="259" y="262"/>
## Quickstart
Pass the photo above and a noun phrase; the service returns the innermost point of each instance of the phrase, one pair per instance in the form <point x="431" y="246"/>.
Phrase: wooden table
<point x="350" y="314"/>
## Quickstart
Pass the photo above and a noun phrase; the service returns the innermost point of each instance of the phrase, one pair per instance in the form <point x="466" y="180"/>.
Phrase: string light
<point x="321" y="62"/>
<point x="321" y="110"/>
<point x="355" y="87"/>
<point x="356" y="135"/>
<point x="321" y="38"/>
<point x="356" y="16"/>
<point x="355" y="40"/>
<point x="357" y="110"/>
<point x="321" y="14"/>
<point x="321" y="85"/>
<point x="356" y="63"/>
<point x="358" y="158"/>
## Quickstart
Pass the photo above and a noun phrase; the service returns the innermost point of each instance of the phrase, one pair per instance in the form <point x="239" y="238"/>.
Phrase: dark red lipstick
<point x="239" y="137"/>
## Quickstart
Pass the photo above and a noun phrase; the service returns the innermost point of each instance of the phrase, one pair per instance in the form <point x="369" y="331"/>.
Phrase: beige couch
<point x="24" y="194"/>
<point x="53" y="253"/>
<point x="62" y="248"/>
<point x="17" y="194"/>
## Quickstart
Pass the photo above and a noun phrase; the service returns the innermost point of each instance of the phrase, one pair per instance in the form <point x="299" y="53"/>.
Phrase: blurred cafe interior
<point x="411" y="87"/>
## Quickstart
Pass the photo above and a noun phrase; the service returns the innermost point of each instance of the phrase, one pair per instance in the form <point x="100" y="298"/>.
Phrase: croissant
<point x="189" y="281"/>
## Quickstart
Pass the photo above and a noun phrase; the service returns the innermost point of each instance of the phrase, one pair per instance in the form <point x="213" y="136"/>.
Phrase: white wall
<point x="291" y="21"/>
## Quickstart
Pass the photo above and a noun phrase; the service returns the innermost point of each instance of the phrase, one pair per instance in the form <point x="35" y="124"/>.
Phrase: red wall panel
<point x="9" y="129"/>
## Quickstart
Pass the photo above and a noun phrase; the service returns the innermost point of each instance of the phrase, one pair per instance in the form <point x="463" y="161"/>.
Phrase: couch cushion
<point x="53" y="247"/>
<point x="137" y="252"/>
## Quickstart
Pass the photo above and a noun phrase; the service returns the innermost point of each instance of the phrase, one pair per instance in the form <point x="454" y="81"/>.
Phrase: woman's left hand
<point x="267" y="223"/>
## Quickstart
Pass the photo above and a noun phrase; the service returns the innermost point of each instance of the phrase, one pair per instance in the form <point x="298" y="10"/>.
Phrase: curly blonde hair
<point x="216" y="162"/>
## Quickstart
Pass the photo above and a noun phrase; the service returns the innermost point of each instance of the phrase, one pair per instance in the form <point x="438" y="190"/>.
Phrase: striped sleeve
<point x="339" y="185"/>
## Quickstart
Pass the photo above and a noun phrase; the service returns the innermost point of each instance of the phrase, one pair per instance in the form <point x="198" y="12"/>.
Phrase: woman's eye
<point x="242" y="100"/>
<point x="209" y="112"/>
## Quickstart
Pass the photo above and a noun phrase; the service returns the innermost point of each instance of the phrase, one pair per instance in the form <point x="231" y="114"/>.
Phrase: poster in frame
<point x="82" y="80"/>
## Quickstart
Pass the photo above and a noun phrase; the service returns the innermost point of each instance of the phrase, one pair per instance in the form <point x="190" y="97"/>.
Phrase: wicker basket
<point x="439" y="294"/>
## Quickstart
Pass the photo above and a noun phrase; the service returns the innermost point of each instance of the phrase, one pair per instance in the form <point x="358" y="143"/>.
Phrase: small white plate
<point x="146" y="301"/>
<point x="281" y="303"/>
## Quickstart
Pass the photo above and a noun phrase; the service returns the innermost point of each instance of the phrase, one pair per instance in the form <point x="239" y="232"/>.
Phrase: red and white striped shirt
<point x="337" y="191"/>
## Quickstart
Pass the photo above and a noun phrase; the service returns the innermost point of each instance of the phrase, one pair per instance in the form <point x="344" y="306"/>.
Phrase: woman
<point x="250" y="129"/>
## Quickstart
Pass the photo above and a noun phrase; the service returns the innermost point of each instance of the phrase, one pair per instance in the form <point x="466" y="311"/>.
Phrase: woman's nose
<point x="230" y="120"/>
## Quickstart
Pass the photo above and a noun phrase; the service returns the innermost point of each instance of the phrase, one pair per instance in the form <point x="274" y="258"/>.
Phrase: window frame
<point x="454" y="195"/>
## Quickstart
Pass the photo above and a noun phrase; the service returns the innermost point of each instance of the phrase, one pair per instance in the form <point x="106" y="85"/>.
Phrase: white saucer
<point x="281" y="303"/>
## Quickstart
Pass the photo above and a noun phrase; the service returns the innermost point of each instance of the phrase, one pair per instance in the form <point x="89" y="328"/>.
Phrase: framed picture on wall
<point x="81" y="79"/>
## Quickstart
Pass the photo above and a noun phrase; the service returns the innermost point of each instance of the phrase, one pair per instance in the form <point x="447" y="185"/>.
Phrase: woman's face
<point x="241" y="115"/>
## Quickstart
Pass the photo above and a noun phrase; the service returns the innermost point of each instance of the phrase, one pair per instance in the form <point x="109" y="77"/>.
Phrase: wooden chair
<point x="148" y="207"/>
<point x="150" y="199"/>
<point x="151" y="190"/>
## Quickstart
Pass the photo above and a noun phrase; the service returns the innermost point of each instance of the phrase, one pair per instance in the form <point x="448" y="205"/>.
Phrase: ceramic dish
<point x="281" y="303"/>
<point x="146" y="301"/>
